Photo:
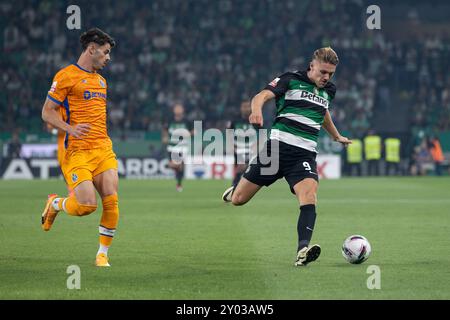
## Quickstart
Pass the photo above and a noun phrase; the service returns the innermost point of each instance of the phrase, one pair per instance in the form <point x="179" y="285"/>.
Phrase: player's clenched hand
<point x="344" y="140"/>
<point x="79" y="130"/>
<point x="256" y="118"/>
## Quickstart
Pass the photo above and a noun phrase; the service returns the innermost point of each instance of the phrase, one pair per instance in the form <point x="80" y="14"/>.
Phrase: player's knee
<point x="311" y="197"/>
<point x="86" y="209"/>
<point x="308" y="197"/>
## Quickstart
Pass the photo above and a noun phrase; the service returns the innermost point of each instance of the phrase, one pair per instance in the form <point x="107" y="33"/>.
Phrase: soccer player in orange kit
<point x="89" y="163"/>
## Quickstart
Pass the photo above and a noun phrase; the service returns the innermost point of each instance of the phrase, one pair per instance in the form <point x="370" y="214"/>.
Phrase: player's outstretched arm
<point x="329" y="126"/>
<point x="257" y="104"/>
<point x="51" y="116"/>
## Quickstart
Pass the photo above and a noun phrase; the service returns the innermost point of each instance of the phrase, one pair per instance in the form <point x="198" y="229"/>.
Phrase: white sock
<point x="55" y="203"/>
<point x="102" y="249"/>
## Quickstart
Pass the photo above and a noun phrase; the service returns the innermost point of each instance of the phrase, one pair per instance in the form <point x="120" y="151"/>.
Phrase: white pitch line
<point x="368" y="200"/>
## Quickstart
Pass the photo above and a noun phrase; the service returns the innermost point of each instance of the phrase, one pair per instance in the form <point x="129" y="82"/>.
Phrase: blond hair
<point x="326" y="55"/>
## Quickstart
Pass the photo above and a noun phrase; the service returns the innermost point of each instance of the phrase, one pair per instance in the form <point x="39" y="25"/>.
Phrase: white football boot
<point x="307" y="255"/>
<point x="226" y="197"/>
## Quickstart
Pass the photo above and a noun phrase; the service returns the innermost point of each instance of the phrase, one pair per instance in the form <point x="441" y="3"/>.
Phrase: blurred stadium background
<point x="210" y="55"/>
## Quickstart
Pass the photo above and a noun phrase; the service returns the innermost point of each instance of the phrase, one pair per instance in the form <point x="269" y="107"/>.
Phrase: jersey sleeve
<point x="60" y="87"/>
<point x="279" y="85"/>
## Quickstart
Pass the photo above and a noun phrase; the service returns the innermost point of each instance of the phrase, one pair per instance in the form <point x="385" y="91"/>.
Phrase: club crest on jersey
<point x="274" y="82"/>
<point x="84" y="81"/>
<point x="53" y="87"/>
<point x="102" y="83"/>
<point x="74" y="177"/>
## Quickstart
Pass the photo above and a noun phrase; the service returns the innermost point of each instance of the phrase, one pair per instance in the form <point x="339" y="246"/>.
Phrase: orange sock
<point x="109" y="220"/>
<point x="71" y="206"/>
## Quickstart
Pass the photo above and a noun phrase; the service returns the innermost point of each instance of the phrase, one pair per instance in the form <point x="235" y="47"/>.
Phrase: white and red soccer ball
<point x="356" y="249"/>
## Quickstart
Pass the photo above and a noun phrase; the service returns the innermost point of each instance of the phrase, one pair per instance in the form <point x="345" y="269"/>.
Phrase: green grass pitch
<point x="190" y="245"/>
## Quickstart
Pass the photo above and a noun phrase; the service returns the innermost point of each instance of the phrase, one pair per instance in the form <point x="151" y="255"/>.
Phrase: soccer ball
<point x="356" y="249"/>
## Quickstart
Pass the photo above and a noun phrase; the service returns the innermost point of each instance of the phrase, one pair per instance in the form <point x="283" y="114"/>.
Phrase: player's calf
<point x="85" y="209"/>
<point x="238" y="199"/>
<point x="244" y="191"/>
<point x="107" y="228"/>
<point x="71" y="206"/>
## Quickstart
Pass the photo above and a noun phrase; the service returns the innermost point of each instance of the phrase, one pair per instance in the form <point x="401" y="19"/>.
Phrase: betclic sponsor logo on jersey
<point x="87" y="95"/>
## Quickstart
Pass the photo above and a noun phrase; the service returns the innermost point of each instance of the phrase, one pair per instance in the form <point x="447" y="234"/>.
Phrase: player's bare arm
<point x="52" y="117"/>
<point x="329" y="126"/>
<point x="257" y="104"/>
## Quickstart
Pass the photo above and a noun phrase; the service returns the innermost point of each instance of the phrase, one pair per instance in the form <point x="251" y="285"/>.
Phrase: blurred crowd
<point x="210" y="55"/>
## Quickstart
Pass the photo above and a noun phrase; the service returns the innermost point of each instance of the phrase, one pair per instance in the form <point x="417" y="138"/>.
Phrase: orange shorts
<point x="82" y="165"/>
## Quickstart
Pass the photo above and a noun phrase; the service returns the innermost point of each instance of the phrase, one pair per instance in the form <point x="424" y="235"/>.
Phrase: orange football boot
<point x="49" y="214"/>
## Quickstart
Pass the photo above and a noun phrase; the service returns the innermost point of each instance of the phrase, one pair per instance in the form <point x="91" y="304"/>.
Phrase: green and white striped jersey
<point x="301" y="108"/>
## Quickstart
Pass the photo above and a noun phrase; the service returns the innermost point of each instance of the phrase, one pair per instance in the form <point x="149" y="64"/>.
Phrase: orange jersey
<point x="82" y="95"/>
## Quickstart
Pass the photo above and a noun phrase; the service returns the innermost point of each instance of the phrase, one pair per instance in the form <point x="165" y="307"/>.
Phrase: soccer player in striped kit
<point x="302" y="100"/>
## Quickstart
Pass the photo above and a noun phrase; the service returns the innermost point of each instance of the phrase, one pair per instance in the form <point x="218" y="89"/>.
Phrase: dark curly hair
<point x="97" y="36"/>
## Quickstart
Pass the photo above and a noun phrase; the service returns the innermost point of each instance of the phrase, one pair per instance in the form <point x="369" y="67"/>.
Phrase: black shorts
<point x="292" y="163"/>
